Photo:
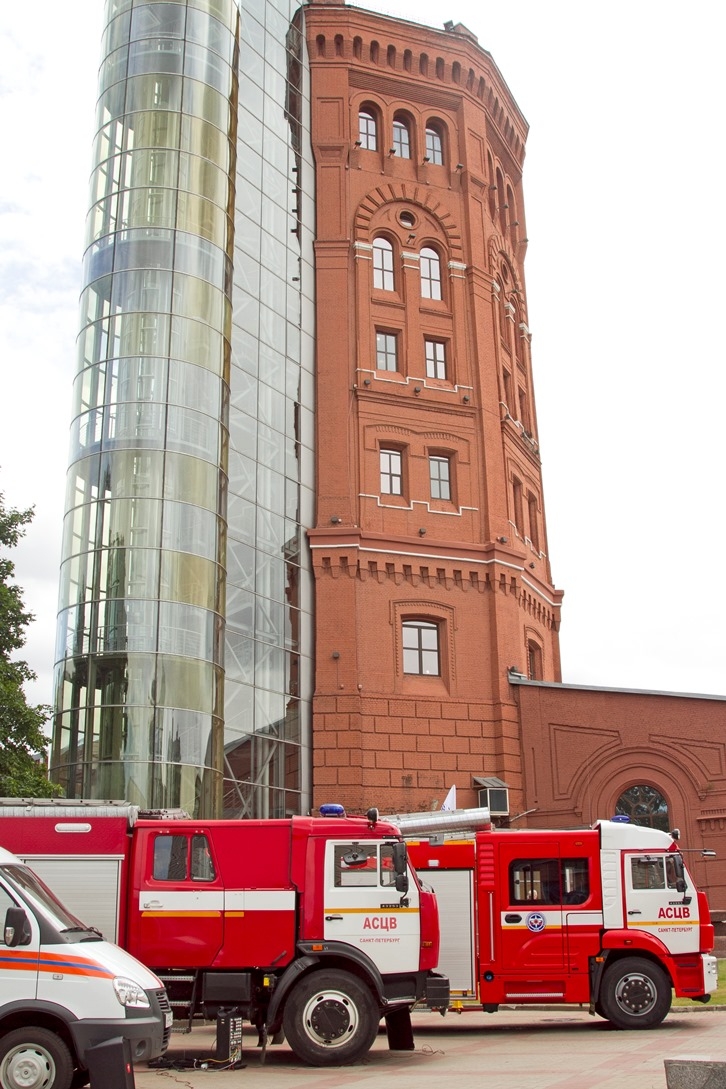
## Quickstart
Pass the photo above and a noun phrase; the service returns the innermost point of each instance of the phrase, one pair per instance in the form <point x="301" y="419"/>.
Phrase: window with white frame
<point x="420" y="639"/>
<point x="391" y="462"/>
<point x="401" y="139"/>
<point x="434" y="146"/>
<point x="367" y="130"/>
<point x="383" y="264"/>
<point x="386" y="351"/>
<point x="435" y="353"/>
<point x="440" y="477"/>
<point x="430" y="273"/>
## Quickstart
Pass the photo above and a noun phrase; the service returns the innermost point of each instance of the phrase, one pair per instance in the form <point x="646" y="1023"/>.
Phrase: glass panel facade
<point x="184" y="649"/>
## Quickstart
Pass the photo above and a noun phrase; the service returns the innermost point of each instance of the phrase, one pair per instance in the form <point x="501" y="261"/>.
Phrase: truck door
<point x="363" y="909"/>
<point x="176" y="918"/>
<point x="530" y="907"/>
<point x="19" y="975"/>
<point x="654" y="903"/>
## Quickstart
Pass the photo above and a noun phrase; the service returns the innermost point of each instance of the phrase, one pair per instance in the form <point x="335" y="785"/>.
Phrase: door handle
<point x="333" y="918"/>
<point x="152" y="904"/>
<point x="512" y="918"/>
<point x="635" y="912"/>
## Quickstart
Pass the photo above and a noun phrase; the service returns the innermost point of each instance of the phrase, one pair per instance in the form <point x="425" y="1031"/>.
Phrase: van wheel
<point x="330" y="1019"/>
<point x="33" y="1058"/>
<point x="635" y="994"/>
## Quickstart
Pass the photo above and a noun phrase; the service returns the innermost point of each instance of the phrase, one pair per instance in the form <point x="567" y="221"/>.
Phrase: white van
<point x="63" y="990"/>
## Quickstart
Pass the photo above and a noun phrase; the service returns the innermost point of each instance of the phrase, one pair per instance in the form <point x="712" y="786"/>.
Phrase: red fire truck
<point x="314" y="928"/>
<point x="607" y="916"/>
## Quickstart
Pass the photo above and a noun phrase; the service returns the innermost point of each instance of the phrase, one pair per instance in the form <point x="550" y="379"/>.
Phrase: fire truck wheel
<point x="330" y="1019"/>
<point x="635" y="994"/>
<point x="33" y="1058"/>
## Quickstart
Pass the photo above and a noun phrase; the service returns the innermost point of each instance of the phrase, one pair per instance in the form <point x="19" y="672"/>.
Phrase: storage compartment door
<point x="88" y="887"/>
<point x="453" y="890"/>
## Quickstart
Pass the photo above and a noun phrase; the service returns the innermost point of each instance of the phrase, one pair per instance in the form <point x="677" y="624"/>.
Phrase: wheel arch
<point x="335" y="955"/>
<point x="611" y="956"/>
<point x="17" y="1015"/>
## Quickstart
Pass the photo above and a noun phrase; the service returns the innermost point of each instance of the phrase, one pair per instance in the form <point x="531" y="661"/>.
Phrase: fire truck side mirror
<point x="400" y="866"/>
<point x="17" y="928"/>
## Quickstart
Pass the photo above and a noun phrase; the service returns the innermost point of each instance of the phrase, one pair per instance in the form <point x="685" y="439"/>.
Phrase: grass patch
<point x="718" y="997"/>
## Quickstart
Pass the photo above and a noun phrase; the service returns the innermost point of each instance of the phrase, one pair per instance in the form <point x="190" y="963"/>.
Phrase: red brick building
<point x="583" y="749"/>
<point x="432" y="576"/>
<point x="436" y="614"/>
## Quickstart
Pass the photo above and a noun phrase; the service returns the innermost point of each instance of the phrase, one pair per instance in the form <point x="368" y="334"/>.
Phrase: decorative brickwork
<point x="414" y="132"/>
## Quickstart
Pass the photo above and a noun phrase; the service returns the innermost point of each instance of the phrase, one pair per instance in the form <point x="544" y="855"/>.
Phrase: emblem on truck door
<point x="536" y="922"/>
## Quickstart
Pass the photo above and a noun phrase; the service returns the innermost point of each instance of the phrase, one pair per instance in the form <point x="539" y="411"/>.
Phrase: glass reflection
<point x="156" y="481"/>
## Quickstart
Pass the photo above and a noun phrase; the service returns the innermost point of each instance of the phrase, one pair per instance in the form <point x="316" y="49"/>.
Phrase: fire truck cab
<point x="607" y="916"/>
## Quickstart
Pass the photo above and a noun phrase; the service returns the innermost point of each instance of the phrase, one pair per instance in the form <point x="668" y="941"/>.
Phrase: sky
<point x="624" y="194"/>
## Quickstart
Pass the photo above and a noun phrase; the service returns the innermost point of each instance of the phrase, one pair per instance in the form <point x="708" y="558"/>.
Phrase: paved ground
<point x="513" y="1049"/>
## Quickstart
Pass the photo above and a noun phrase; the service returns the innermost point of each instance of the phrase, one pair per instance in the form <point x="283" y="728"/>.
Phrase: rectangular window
<point x="549" y="881"/>
<point x="518" y="513"/>
<point x="434" y="148"/>
<point x="383" y="277"/>
<point x="440" y="476"/>
<point x="508" y="392"/>
<point x="170" y="858"/>
<point x="386" y="351"/>
<point x="401" y="140"/>
<point x="367" y="131"/>
<point x="533" y="521"/>
<point x="430" y="265"/>
<point x="654" y="873"/>
<point x="534" y="661"/>
<point x="523" y="410"/>
<point x="421" y="648"/>
<point x="391" y="472"/>
<point x="358" y="865"/>
<point x="435" y="351"/>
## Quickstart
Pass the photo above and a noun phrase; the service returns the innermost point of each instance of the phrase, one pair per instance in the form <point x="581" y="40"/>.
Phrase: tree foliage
<point x="22" y="736"/>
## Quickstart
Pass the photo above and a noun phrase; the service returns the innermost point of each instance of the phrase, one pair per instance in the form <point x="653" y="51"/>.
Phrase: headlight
<point x="130" y="994"/>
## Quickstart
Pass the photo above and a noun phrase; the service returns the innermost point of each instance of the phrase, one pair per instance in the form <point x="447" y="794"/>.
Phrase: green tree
<point x="21" y="725"/>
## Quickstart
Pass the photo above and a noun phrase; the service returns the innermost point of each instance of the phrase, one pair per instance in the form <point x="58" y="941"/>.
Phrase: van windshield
<point x="31" y="888"/>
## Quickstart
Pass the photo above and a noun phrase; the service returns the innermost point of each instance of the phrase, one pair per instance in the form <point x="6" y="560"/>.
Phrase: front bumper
<point x="147" y="1031"/>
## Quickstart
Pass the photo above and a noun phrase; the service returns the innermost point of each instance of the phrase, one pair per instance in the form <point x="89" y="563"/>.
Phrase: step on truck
<point x="64" y="991"/>
<point x="607" y="916"/>
<point x="312" y="928"/>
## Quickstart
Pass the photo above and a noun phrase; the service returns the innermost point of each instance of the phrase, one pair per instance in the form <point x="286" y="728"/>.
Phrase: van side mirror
<point x="17" y="928"/>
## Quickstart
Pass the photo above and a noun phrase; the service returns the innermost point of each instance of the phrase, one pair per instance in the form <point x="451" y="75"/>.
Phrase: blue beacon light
<point x="332" y="810"/>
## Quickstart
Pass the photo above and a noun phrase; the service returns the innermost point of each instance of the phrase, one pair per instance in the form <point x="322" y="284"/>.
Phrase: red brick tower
<point x="430" y="554"/>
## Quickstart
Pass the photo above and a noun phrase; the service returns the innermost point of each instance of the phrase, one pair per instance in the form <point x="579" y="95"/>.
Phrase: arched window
<point x="367" y="130"/>
<point x="421" y="648"/>
<point x="434" y="145"/>
<point x="534" y="660"/>
<point x="401" y="139"/>
<point x="430" y="274"/>
<point x="645" y="806"/>
<point x="383" y="264"/>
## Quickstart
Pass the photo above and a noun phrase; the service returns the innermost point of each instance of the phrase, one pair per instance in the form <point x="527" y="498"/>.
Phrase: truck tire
<point x="330" y="1019"/>
<point x="635" y="994"/>
<point x="34" y="1058"/>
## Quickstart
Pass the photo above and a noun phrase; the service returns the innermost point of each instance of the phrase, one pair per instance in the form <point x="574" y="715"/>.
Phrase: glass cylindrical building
<point x="184" y="634"/>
